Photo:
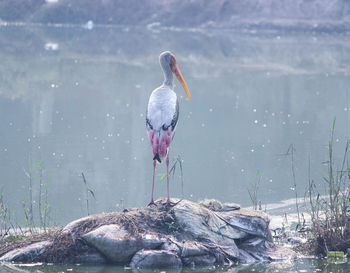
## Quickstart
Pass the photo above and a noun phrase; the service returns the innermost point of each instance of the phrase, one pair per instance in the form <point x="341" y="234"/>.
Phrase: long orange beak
<point x="176" y="70"/>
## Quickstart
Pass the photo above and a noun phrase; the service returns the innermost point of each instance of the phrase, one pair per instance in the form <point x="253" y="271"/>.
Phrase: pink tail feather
<point x="160" y="143"/>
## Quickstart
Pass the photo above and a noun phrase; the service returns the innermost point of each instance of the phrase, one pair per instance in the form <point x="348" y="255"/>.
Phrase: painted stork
<point x="162" y="114"/>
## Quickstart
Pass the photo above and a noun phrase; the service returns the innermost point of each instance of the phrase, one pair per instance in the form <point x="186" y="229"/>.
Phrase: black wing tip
<point x="156" y="157"/>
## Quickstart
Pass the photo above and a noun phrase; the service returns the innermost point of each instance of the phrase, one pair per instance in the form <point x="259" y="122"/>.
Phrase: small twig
<point x="87" y="191"/>
<point x="253" y="193"/>
<point x="290" y="152"/>
<point x="172" y="171"/>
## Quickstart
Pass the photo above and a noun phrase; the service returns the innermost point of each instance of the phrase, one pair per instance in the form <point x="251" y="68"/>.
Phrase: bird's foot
<point x="151" y="203"/>
<point x="168" y="203"/>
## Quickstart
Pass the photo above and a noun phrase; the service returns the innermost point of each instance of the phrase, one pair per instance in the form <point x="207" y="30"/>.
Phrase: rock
<point x="230" y="207"/>
<point x="28" y="254"/>
<point x="202" y="223"/>
<point x="256" y="248"/>
<point x="171" y="246"/>
<point x="249" y="221"/>
<point x="118" y="245"/>
<point x="245" y="257"/>
<point x="90" y="259"/>
<point x="216" y="205"/>
<point x="211" y="204"/>
<point x="195" y="254"/>
<point x="231" y="252"/>
<point x="252" y="242"/>
<point x="203" y="260"/>
<point x="155" y="259"/>
<point x="280" y="254"/>
<point x="193" y="249"/>
<point x="188" y="234"/>
<point x="74" y="226"/>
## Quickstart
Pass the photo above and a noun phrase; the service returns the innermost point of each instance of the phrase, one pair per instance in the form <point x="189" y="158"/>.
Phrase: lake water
<point x="305" y="265"/>
<point x="73" y="100"/>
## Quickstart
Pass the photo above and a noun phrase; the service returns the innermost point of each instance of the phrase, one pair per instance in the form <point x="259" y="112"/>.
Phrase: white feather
<point x="161" y="107"/>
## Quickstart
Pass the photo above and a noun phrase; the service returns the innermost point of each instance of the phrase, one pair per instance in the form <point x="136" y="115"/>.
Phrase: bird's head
<point x="167" y="60"/>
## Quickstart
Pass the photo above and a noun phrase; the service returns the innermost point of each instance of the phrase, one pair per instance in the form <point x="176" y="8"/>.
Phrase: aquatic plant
<point x="178" y="161"/>
<point x="3" y="216"/>
<point x="253" y="191"/>
<point x="38" y="183"/>
<point x="8" y="226"/>
<point x="87" y="192"/>
<point x="330" y="212"/>
<point x="290" y="153"/>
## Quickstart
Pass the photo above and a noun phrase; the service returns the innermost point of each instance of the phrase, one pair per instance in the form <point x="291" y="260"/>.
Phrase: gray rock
<point x="257" y="248"/>
<point x="203" y="260"/>
<point x="211" y="204"/>
<point x="252" y="242"/>
<point x="280" y="253"/>
<point x="90" y="259"/>
<point x="202" y="223"/>
<point x="193" y="249"/>
<point x="155" y="259"/>
<point x="76" y="225"/>
<point x="230" y="206"/>
<point x="118" y="245"/>
<point x="171" y="246"/>
<point x="216" y="205"/>
<point x="26" y="254"/>
<point x="230" y="251"/>
<point x="205" y="234"/>
<point x="249" y="221"/>
<point x="245" y="257"/>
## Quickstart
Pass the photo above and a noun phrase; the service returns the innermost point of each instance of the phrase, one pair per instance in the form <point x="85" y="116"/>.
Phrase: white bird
<point x="162" y="114"/>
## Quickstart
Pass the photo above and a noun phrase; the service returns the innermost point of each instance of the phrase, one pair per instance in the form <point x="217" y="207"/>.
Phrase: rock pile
<point x="187" y="234"/>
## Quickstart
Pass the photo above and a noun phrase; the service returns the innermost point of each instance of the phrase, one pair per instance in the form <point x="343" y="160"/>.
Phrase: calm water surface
<point x="305" y="265"/>
<point x="73" y="100"/>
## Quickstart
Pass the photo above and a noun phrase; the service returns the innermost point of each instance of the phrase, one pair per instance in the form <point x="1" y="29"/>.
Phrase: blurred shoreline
<point x="315" y="15"/>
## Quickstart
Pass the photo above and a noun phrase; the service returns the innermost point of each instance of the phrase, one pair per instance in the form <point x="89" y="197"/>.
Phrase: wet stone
<point x="193" y="249"/>
<point x="230" y="207"/>
<point x="203" y="260"/>
<point x="216" y="205"/>
<point x="117" y="244"/>
<point x="250" y="222"/>
<point x="90" y="259"/>
<point x="186" y="234"/>
<point x="155" y="259"/>
<point x="211" y="204"/>
<point x="171" y="246"/>
<point x="26" y="254"/>
<point x="245" y="257"/>
<point x="202" y="223"/>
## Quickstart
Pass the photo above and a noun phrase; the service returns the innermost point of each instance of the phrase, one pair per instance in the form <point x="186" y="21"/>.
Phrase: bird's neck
<point x="168" y="78"/>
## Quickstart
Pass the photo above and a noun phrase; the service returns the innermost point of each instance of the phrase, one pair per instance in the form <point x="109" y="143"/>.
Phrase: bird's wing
<point x="171" y="125"/>
<point x="161" y="119"/>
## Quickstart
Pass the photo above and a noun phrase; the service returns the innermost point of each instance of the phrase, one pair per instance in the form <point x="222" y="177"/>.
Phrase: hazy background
<point x="262" y="74"/>
<point x="282" y="14"/>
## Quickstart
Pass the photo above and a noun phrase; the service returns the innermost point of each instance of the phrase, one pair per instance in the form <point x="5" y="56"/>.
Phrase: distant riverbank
<point x="270" y="14"/>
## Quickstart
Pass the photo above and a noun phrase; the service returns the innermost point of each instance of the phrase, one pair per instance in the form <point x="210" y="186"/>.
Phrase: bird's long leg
<point x="167" y="177"/>
<point x="154" y="172"/>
